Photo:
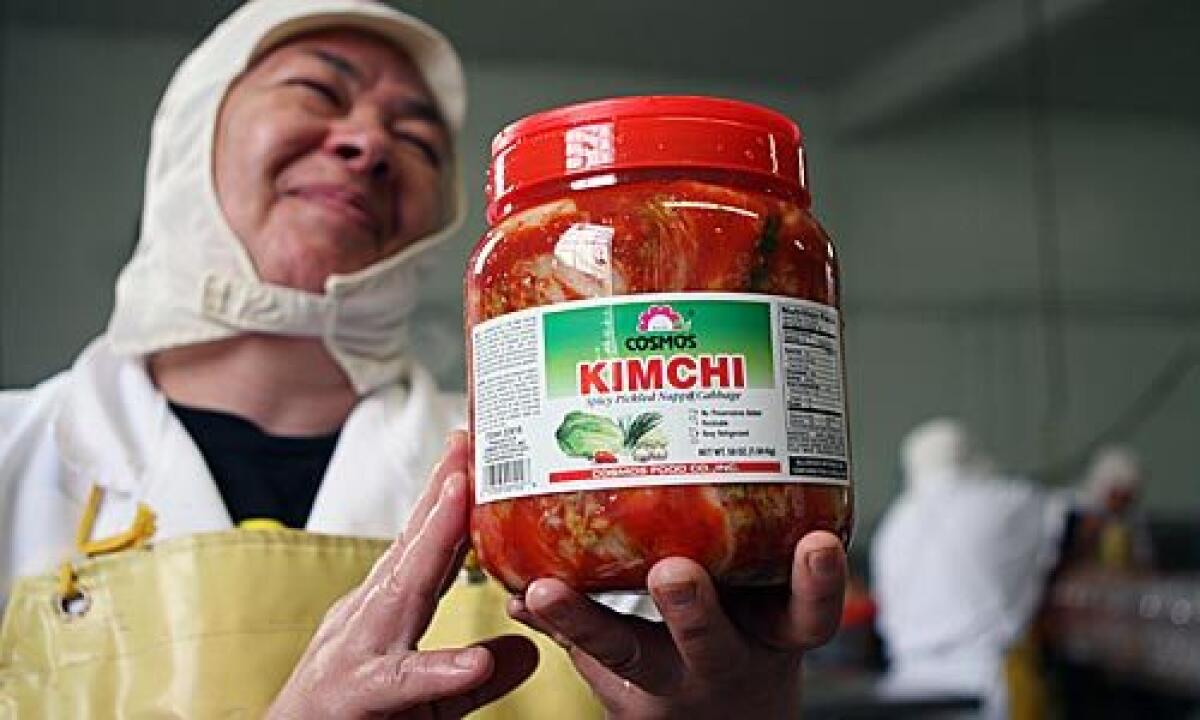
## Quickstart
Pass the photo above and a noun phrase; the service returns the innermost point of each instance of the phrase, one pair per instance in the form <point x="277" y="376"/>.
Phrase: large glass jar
<point x="654" y="348"/>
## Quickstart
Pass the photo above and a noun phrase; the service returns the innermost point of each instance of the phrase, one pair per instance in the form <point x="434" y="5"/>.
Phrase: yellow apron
<point x="210" y="626"/>
<point x="1028" y="696"/>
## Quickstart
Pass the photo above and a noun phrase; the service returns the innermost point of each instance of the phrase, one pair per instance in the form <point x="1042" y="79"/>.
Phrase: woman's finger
<point x="397" y="609"/>
<point x="810" y="613"/>
<point x="515" y="659"/>
<point x="333" y="621"/>
<point x="391" y="683"/>
<point x="454" y="459"/>
<point x="706" y="639"/>
<point x="519" y="611"/>
<point x="624" y="644"/>
<point x="818" y="589"/>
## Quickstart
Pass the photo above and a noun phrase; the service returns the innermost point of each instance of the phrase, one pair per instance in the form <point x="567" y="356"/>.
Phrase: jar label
<point x="661" y="389"/>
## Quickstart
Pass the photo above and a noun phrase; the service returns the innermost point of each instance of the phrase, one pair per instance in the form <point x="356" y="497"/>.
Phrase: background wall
<point x="931" y="202"/>
<point x="935" y="221"/>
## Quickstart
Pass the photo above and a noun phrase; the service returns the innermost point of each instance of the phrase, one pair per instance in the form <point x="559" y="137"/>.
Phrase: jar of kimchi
<point x="654" y="348"/>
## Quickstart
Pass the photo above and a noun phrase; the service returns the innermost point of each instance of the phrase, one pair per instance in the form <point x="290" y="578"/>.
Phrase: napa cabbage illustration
<point x="599" y="437"/>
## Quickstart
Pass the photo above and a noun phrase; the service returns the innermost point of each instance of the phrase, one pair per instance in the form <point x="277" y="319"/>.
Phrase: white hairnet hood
<point x="1113" y="468"/>
<point x="191" y="280"/>
<point x="940" y="452"/>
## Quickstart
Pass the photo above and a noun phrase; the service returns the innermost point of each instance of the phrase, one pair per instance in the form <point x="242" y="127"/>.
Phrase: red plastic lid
<point x="658" y="131"/>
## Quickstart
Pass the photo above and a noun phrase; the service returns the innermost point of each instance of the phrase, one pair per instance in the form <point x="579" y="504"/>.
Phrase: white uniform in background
<point x="959" y="564"/>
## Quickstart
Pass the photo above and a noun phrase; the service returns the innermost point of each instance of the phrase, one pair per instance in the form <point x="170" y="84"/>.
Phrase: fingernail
<point x="552" y="606"/>
<point x="678" y="594"/>
<point x="823" y="563"/>
<point x="467" y="660"/>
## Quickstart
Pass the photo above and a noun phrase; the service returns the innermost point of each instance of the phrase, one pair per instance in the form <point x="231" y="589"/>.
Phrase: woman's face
<point x="329" y="154"/>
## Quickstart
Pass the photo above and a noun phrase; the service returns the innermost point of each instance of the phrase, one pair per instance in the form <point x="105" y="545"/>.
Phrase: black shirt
<point x="259" y="475"/>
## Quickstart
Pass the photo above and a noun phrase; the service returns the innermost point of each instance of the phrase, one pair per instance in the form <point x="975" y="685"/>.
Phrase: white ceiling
<point x="814" y="42"/>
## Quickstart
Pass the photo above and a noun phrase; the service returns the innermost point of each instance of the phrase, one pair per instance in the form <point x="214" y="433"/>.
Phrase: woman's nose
<point x="364" y="149"/>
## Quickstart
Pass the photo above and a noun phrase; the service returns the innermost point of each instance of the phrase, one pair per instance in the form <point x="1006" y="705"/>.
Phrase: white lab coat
<point x="104" y="422"/>
<point x="958" y="570"/>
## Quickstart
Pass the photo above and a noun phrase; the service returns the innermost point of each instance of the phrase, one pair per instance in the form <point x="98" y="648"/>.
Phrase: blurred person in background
<point x="1105" y="529"/>
<point x="257" y="372"/>
<point x="959" y="564"/>
<point x="1110" y="640"/>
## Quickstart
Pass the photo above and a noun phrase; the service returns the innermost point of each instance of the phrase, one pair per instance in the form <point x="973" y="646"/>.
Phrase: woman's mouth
<point x="350" y="203"/>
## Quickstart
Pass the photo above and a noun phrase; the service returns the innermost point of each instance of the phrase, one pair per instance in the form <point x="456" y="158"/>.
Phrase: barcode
<point x="506" y="474"/>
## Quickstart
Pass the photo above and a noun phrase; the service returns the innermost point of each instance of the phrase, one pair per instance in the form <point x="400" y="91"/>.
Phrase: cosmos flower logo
<point x="661" y="319"/>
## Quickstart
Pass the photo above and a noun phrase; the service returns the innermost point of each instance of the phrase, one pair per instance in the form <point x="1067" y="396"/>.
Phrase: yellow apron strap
<point x="139" y="532"/>
<point x="1115" y="550"/>
<point x="262" y="524"/>
<point x="1028" y="695"/>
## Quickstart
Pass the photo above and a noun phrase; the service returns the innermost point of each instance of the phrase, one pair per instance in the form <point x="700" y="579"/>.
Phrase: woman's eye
<point x="319" y="88"/>
<point x="421" y="145"/>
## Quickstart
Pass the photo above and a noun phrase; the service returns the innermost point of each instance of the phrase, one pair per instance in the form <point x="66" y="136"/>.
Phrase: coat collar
<point x="383" y="459"/>
<point x="115" y="430"/>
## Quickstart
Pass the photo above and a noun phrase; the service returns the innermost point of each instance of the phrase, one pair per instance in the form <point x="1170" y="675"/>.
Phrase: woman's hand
<point x="363" y="661"/>
<point x="735" y="655"/>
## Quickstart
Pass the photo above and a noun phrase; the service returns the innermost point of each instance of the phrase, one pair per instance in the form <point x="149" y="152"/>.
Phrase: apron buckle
<point x="74" y="601"/>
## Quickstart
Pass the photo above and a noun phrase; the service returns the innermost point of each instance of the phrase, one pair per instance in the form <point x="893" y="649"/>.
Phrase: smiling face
<point x="329" y="154"/>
